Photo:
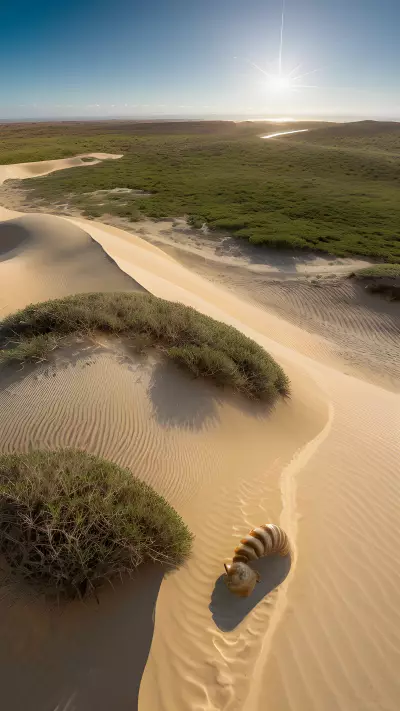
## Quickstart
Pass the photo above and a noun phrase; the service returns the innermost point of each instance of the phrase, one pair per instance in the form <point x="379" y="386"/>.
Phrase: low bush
<point x="70" y="521"/>
<point x="378" y="271"/>
<point x="200" y="344"/>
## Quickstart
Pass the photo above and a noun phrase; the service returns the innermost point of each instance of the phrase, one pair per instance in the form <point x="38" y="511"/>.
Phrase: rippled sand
<point x="324" y="465"/>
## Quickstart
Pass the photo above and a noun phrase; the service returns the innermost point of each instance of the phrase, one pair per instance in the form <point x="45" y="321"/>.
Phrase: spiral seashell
<point x="261" y="541"/>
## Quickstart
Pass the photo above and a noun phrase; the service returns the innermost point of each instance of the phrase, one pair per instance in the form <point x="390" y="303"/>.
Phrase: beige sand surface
<point x="19" y="171"/>
<point x="180" y="239"/>
<point x="359" y="330"/>
<point x="324" y="465"/>
<point x="43" y="257"/>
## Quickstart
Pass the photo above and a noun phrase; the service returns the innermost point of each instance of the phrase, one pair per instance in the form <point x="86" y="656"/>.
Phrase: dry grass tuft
<point x="198" y="343"/>
<point x="70" y="521"/>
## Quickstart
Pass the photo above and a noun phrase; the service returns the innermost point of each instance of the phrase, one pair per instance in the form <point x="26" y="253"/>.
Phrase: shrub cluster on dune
<point x="70" y="521"/>
<point x="378" y="271"/>
<point x="203" y="346"/>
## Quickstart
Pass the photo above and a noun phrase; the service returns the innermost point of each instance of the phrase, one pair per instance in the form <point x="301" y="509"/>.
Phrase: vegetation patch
<point x="70" y="521"/>
<point x="332" y="189"/>
<point x="203" y="346"/>
<point x="381" y="279"/>
<point x="378" y="271"/>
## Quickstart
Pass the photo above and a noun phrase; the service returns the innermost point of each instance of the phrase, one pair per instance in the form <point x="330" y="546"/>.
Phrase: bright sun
<point x="279" y="82"/>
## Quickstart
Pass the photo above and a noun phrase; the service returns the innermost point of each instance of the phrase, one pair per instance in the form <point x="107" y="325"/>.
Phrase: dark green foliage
<point x="199" y="343"/>
<point x="333" y="189"/>
<point x="70" y="521"/>
<point x="378" y="271"/>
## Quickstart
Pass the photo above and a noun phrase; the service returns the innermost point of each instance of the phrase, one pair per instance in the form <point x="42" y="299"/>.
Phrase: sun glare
<point x="279" y="82"/>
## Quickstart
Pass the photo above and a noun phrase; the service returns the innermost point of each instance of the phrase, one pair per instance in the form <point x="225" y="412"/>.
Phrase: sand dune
<point x="191" y="246"/>
<point x="185" y="439"/>
<point x="19" y="171"/>
<point x="324" y="466"/>
<point x="43" y="257"/>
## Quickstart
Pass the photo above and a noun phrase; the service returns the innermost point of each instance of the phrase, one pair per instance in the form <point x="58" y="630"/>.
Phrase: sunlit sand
<point x="323" y="465"/>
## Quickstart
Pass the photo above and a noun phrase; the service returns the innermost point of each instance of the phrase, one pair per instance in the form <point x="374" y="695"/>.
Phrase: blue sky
<point x="70" y="58"/>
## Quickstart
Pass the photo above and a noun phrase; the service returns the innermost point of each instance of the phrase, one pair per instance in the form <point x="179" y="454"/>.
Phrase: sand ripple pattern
<point x="213" y="666"/>
<point x="108" y="406"/>
<point x="359" y="329"/>
<point x="344" y="598"/>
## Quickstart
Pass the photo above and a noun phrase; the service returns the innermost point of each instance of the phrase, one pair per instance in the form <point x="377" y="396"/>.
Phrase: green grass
<point x="334" y="189"/>
<point x="198" y="343"/>
<point x="378" y="271"/>
<point x="70" y="521"/>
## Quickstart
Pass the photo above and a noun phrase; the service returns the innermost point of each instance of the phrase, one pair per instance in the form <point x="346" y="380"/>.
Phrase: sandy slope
<point x="43" y="257"/>
<point x="325" y="465"/>
<point x="358" y="330"/>
<point x="19" y="171"/>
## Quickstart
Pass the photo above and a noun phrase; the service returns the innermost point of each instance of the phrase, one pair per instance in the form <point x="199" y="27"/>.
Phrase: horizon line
<point x="234" y="117"/>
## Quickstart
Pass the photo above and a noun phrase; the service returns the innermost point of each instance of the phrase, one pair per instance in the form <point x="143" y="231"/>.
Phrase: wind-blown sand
<point x="324" y="465"/>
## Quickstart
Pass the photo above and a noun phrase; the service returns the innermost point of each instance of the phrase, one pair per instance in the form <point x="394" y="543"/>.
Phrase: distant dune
<point x="43" y="256"/>
<point x="358" y="131"/>
<point x="30" y="170"/>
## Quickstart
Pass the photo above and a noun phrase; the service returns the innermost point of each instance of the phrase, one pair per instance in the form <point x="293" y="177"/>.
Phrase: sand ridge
<point x="44" y="257"/>
<point x="324" y="465"/>
<point x="20" y="171"/>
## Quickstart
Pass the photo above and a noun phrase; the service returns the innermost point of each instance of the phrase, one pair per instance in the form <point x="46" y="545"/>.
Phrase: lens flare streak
<point x="285" y="81"/>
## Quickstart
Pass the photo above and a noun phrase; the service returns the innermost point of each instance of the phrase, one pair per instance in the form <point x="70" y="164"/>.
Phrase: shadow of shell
<point x="229" y="610"/>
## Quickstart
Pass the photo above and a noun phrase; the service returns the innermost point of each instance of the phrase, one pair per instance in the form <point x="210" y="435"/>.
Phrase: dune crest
<point x="43" y="256"/>
<point x="20" y="171"/>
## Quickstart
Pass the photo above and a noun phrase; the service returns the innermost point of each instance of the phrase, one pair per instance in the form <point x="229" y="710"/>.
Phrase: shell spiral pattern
<point x="263" y="540"/>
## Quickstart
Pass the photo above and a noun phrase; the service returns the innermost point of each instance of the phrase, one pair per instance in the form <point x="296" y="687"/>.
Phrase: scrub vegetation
<point x="70" y="521"/>
<point x="333" y="189"/>
<point x="202" y="346"/>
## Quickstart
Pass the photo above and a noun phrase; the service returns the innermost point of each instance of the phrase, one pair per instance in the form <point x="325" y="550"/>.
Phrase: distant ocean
<point x="210" y="117"/>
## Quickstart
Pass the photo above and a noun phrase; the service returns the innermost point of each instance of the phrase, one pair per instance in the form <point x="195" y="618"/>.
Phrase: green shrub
<point x="70" y="521"/>
<point x="206" y="361"/>
<point x="378" y="271"/>
<point x="197" y="342"/>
